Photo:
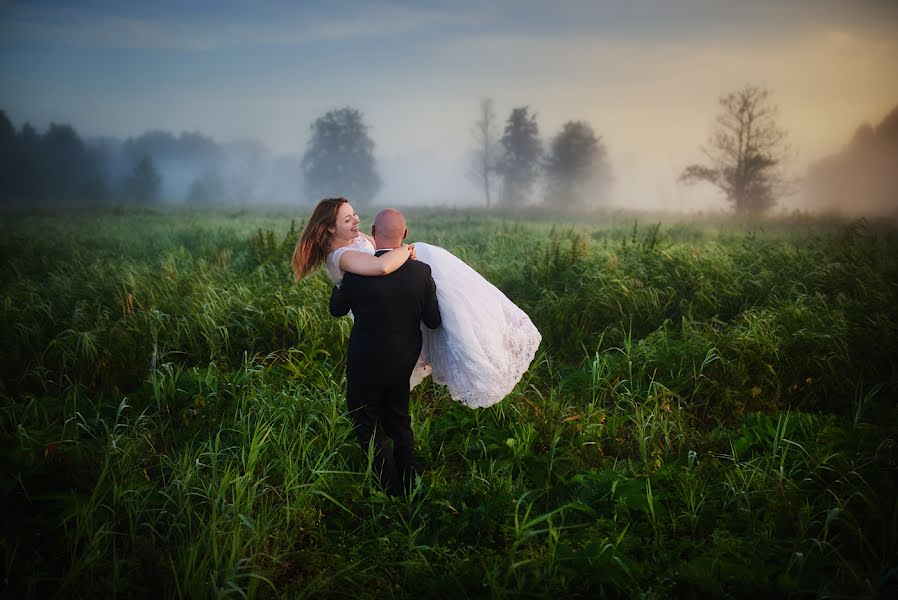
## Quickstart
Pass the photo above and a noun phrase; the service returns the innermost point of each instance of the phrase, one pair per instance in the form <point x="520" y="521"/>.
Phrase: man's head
<point x="389" y="228"/>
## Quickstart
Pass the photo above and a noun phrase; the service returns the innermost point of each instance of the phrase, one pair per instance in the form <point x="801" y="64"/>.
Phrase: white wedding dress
<point x="485" y="343"/>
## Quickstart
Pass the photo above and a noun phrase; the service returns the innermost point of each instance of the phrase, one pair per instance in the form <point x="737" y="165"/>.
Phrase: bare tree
<point x="486" y="153"/>
<point x="746" y="150"/>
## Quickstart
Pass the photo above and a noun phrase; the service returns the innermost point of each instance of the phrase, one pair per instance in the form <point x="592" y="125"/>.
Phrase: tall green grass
<point x="711" y="413"/>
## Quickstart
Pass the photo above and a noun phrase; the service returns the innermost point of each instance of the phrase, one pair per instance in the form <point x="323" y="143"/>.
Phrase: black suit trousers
<point x="379" y="410"/>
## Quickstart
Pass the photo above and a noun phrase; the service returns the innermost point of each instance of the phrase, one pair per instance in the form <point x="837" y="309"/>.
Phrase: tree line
<point x="339" y="159"/>
<point x="745" y="153"/>
<point x="575" y="166"/>
<point x="745" y="157"/>
<point x="864" y="174"/>
<point x="60" y="168"/>
<point x="56" y="166"/>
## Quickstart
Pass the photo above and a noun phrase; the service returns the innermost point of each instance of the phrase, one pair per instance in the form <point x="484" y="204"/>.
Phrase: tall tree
<point x="577" y="165"/>
<point x="746" y="151"/>
<point x="522" y="149"/>
<point x="339" y="158"/>
<point x="486" y="151"/>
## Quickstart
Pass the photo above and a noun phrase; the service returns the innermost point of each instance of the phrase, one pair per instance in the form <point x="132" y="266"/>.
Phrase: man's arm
<point x="341" y="299"/>
<point x="431" y="315"/>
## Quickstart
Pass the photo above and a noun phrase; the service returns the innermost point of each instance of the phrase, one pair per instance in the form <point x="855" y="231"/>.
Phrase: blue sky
<point x="646" y="75"/>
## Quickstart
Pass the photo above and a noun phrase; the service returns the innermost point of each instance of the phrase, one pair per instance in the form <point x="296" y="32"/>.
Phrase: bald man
<point x="383" y="349"/>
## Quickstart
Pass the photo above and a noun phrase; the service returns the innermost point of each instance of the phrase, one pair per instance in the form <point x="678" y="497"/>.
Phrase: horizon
<point x="646" y="77"/>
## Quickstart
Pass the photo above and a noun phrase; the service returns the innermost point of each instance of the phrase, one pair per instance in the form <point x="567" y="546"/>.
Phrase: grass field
<point x="712" y="413"/>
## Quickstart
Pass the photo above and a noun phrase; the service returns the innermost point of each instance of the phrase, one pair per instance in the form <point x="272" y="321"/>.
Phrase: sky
<point x="646" y="75"/>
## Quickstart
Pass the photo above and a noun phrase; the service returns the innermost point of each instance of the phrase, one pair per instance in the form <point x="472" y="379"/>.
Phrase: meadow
<point x="712" y="413"/>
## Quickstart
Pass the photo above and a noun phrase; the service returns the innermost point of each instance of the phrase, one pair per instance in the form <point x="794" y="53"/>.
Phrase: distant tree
<point x="145" y="182"/>
<point x="242" y="162"/>
<point x="51" y="168"/>
<point x="207" y="189"/>
<point x="486" y="152"/>
<point x="7" y="131"/>
<point x="8" y="156"/>
<point x="577" y="159"/>
<point x="27" y="168"/>
<point x="164" y="146"/>
<point x="181" y="158"/>
<point x="97" y="187"/>
<point x="65" y="165"/>
<point x="521" y="153"/>
<point x="339" y="158"/>
<point x="746" y="151"/>
<point x="863" y="177"/>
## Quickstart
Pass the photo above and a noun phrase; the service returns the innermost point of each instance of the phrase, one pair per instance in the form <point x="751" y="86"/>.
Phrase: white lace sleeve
<point x="332" y="262"/>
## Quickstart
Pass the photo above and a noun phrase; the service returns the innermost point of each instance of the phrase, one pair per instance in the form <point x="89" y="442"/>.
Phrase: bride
<point x="486" y="343"/>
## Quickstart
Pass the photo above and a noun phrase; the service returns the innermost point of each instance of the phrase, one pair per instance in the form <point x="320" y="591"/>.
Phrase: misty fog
<point x="197" y="170"/>
<point x="222" y="105"/>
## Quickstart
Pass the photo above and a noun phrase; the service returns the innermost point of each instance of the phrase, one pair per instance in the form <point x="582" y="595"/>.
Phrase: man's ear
<point x="405" y="233"/>
<point x="372" y="231"/>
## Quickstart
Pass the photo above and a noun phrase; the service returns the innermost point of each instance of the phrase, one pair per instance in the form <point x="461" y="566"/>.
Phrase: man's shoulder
<point x="417" y="264"/>
<point x="417" y="267"/>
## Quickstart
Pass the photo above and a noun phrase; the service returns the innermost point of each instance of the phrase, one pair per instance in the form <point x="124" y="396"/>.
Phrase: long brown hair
<point x="313" y="244"/>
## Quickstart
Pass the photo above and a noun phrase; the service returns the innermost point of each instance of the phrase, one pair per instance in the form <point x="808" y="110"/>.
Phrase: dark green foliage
<point x="58" y="169"/>
<point x="339" y="158"/>
<point x="55" y="168"/>
<point x="711" y="414"/>
<point x="577" y="167"/>
<point x="522" y="150"/>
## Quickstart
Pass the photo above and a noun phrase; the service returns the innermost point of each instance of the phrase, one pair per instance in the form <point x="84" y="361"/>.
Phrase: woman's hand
<point x="411" y="250"/>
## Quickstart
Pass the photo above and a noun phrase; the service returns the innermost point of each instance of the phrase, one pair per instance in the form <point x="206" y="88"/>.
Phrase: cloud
<point x="178" y="30"/>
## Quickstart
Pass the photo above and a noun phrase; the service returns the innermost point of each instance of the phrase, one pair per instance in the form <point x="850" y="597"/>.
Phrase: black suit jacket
<point x="388" y="310"/>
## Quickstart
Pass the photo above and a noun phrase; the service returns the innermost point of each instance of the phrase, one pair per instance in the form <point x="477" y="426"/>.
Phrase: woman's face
<point x="347" y="225"/>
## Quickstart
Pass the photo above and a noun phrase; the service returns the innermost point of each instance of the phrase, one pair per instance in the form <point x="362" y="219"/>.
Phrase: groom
<point x="383" y="349"/>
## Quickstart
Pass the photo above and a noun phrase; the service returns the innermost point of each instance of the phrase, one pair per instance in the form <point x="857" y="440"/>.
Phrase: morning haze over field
<point x="646" y="78"/>
<point x="694" y="203"/>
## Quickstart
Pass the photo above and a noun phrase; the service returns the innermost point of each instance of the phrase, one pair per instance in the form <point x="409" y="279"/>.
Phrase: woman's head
<point x="333" y="220"/>
<point x="345" y="227"/>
